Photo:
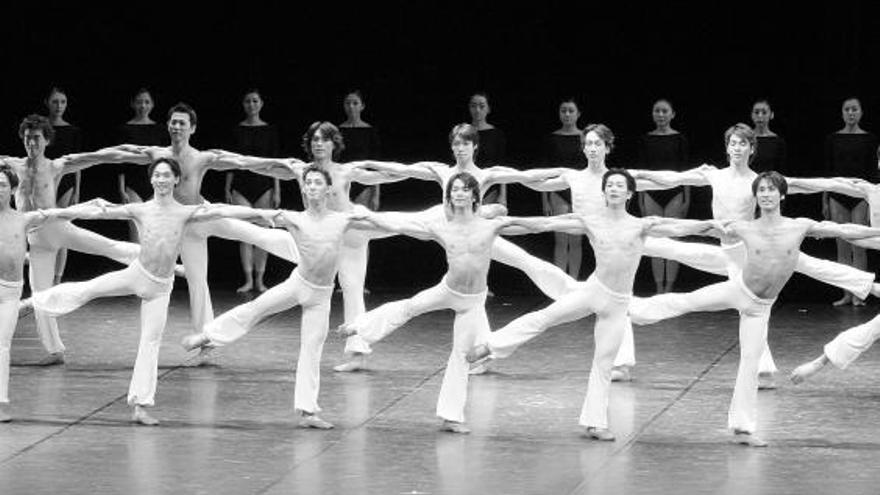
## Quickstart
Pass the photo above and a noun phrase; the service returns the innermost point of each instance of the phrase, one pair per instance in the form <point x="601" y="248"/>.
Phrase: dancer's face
<point x="315" y="186"/>
<point x="616" y="190"/>
<point x="179" y="127"/>
<point x="767" y="195"/>
<point x="57" y="104"/>
<point x="852" y="112"/>
<point x="479" y="108"/>
<point x="569" y="113"/>
<point x="322" y="146"/>
<point x="352" y="105"/>
<point x="461" y="195"/>
<point x="252" y="104"/>
<point x="662" y="113"/>
<point x="595" y="148"/>
<point x="142" y="105"/>
<point x="761" y="114"/>
<point x="463" y="150"/>
<point x="163" y="180"/>
<point x="738" y="149"/>
<point x="34" y="142"/>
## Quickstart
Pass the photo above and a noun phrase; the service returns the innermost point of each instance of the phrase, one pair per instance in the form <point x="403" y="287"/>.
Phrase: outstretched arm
<point x="507" y="175"/>
<point x="215" y="211"/>
<point x="675" y="227"/>
<point x="418" y="170"/>
<point x="124" y="153"/>
<point x="360" y="174"/>
<point x="667" y="179"/>
<point x="393" y="222"/>
<point x="281" y="168"/>
<point x="844" y="185"/>
<point x="848" y="231"/>
<point x="94" y="209"/>
<point x="570" y="223"/>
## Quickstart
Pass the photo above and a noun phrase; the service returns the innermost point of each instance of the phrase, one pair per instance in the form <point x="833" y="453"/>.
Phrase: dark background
<point x="418" y="62"/>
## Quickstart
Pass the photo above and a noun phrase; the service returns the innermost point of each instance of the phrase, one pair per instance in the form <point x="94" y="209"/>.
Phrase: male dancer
<point x="319" y="232"/>
<point x="39" y="178"/>
<point x="182" y="123"/>
<point x="162" y="223"/>
<point x="464" y="141"/>
<point x="13" y="247"/>
<point x="771" y="244"/>
<point x="469" y="241"/>
<point x="618" y="240"/>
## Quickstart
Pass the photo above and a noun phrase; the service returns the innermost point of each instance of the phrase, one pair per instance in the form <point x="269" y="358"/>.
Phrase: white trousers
<point x="470" y="327"/>
<point x="754" y="314"/>
<point x="154" y="293"/>
<point x="194" y="254"/>
<point x="851" y="343"/>
<point x="10" y="293"/>
<point x="591" y="297"/>
<point x="44" y="245"/>
<point x="315" y="303"/>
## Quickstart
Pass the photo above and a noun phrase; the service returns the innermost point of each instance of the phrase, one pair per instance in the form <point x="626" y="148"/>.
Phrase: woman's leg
<point x="63" y="201"/>
<point x="259" y="255"/>
<point x="674" y="209"/>
<point x="471" y="324"/>
<point x="841" y="214"/>
<point x="313" y="333"/>
<point x="245" y="250"/>
<point x="650" y="207"/>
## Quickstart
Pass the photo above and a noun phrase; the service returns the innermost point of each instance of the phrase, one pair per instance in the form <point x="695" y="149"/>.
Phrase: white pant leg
<point x="608" y="333"/>
<point x="64" y="298"/>
<point x="194" y="254"/>
<point x="144" y="378"/>
<point x="846" y="277"/>
<point x="9" y="297"/>
<point x="470" y="322"/>
<point x="626" y="353"/>
<point x="574" y="305"/>
<point x="352" y="274"/>
<point x="704" y="257"/>
<point x="41" y="274"/>
<point x="851" y="343"/>
<point x="235" y="323"/>
<point x="722" y="295"/>
<point x="315" y="324"/>
<point x="549" y="278"/>
<point x="278" y="242"/>
<point x="85" y="241"/>
<point x="376" y="324"/>
<point x="743" y="413"/>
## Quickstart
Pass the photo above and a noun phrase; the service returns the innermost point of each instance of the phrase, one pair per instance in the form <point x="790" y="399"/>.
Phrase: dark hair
<point x="34" y="122"/>
<point x="470" y="182"/>
<point x="742" y="131"/>
<point x="314" y="169"/>
<point x="665" y="100"/>
<point x="466" y="132"/>
<point x="55" y="89"/>
<point x="184" y="108"/>
<point x="479" y="93"/>
<point x="764" y="101"/>
<point x="141" y="91"/>
<point x="10" y="175"/>
<point x="357" y="93"/>
<point x="172" y="163"/>
<point x="772" y="177"/>
<point x="630" y="181"/>
<point x="326" y="130"/>
<point x="252" y="90"/>
<point x="604" y="133"/>
<point x="852" y="98"/>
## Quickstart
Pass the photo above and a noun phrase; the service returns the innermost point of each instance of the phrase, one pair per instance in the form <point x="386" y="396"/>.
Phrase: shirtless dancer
<point x="13" y="246"/>
<point x="162" y="223"/>
<point x="464" y="141"/>
<point x="618" y="240"/>
<point x="319" y="233"/>
<point x="731" y="200"/>
<point x="182" y="121"/>
<point x="39" y="178"/>
<point x="468" y="240"/>
<point x="771" y="244"/>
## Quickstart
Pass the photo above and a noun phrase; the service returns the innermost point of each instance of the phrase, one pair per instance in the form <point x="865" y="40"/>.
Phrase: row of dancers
<point x="331" y="235"/>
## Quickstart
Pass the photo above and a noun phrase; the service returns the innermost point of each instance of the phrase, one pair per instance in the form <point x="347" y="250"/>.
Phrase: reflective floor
<point x="228" y="426"/>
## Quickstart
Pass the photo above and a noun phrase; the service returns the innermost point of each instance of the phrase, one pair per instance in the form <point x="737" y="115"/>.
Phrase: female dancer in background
<point x="771" y="150"/>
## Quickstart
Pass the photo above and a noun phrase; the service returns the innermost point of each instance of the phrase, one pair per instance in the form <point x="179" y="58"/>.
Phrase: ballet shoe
<point x="195" y="341"/>
<point x="806" y="370"/>
<point x="5" y="417"/>
<point x="601" y="434"/>
<point x="846" y="299"/>
<point x="357" y="362"/>
<point x="454" y="427"/>
<point x="766" y="381"/>
<point x="52" y="359"/>
<point x="26" y="305"/>
<point x="346" y="330"/>
<point x="747" y="439"/>
<point x="621" y="374"/>
<point x="142" y="417"/>
<point x="313" y="421"/>
<point x="478" y="353"/>
<point x="179" y="270"/>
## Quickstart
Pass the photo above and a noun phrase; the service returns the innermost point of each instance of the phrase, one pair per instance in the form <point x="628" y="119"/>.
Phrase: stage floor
<point x="229" y="427"/>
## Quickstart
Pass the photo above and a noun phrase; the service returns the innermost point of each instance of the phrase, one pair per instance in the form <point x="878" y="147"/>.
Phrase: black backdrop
<point x="417" y="62"/>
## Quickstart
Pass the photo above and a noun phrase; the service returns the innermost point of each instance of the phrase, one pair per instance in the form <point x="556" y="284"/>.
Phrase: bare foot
<point x="261" y="287"/>
<point x="52" y="359"/>
<point x="179" y="270"/>
<point x="846" y="299"/>
<point x="454" y="427"/>
<point x="601" y="434"/>
<point x="141" y="416"/>
<point x="313" y="421"/>
<point x="5" y="417"/>
<point x="807" y="370"/>
<point x="481" y="367"/>
<point x="26" y="304"/>
<point x="247" y="287"/>
<point x="478" y="353"/>
<point x="195" y="341"/>
<point x="621" y="374"/>
<point x="346" y="330"/>
<point x="749" y="440"/>
<point x="766" y="381"/>
<point x="357" y="362"/>
<point x="857" y="302"/>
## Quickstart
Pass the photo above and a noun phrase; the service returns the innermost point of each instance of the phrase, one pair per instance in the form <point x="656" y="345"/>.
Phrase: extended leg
<point x="376" y="324"/>
<point x="551" y="280"/>
<point x="608" y="334"/>
<point x="315" y="323"/>
<point x="743" y="413"/>
<point x="470" y="322"/>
